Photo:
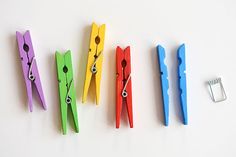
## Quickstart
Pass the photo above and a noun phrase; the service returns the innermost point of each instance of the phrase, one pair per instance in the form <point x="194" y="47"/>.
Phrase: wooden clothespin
<point x="123" y="84"/>
<point x="182" y="82"/>
<point x="164" y="82"/>
<point x="95" y="57"/>
<point x="66" y="89"/>
<point x="30" y="69"/>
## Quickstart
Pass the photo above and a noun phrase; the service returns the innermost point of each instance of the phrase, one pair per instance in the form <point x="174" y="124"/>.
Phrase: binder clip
<point x="66" y="89"/>
<point x="214" y="83"/>
<point x="123" y="84"/>
<point x="164" y="83"/>
<point x="29" y="67"/>
<point x="95" y="57"/>
<point x="181" y="83"/>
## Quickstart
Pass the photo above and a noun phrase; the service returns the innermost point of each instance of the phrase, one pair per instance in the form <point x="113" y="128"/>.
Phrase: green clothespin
<point x="66" y="88"/>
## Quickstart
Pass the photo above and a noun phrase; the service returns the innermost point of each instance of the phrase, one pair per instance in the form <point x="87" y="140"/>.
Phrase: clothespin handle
<point x="182" y="82"/>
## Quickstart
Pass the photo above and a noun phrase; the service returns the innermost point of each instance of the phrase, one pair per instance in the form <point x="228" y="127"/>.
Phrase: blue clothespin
<point x="164" y="83"/>
<point x="182" y="82"/>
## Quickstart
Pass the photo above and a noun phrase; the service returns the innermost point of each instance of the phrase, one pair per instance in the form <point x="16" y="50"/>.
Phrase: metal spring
<point x="213" y="82"/>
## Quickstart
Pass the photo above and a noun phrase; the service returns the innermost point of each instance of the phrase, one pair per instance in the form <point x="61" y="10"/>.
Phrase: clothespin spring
<point x="68" y="98"/>
<point x="31" y="76"/>
<point x="93" y="68"/>
<point x="211" y="83"/>
<point x="124" y="92"/>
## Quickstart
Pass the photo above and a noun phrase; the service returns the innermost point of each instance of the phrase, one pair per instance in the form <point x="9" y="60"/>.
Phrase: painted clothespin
<point x="123" y="84"/>
<point x="30" y="69"/>
<point x="164" y="82"/>
<point x="66" y="89"/>
<point x="182" y="82"/>
<point x="95" y="57"/>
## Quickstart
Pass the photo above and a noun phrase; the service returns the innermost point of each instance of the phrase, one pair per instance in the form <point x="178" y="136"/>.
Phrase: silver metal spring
<point x="214" y="82"/>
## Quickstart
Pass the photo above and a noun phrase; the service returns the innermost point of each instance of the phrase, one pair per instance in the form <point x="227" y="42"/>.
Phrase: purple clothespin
<point x="29" y="67"/>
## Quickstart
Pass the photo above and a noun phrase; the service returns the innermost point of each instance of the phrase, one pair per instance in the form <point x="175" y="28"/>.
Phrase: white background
<point x="207" y="27"/>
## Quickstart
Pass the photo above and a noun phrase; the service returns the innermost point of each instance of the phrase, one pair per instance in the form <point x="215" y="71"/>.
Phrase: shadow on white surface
<point x="206" y="86"/>
<point x="174" y="84"/>
<point x="21" y="89"/>
<point x="55" y="104"/>
<point x="83" y="56"/>
<point x="111" y="91"/>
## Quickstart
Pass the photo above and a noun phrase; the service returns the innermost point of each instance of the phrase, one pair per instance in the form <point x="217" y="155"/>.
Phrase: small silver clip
<point x="93" y="67"/>
<point x="30" y="74"/>
<point x="68" y="98"/>
<point x="214" y="82"/>
<point x="124" y="92"/>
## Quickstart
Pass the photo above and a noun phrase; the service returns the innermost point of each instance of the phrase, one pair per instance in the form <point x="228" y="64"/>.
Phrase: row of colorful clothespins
<point x="94" y="68"/>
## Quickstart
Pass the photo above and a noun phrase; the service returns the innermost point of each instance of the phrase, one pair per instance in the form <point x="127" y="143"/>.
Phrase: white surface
<point x="206" y="27"/>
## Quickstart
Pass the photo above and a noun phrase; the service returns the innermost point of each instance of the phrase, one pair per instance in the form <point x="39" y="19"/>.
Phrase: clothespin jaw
<point x="182" y="82"/>
<point x="66" y="89"/>
<point x="29" y="67"/>
<point x="164" y="82"/>
<point x="123" y="84"/>
<point x="95" y="57"/>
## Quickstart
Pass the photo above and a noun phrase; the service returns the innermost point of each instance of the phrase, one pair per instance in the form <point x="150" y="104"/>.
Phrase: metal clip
<point x="30" y="75"/>
<point x="94" y="68"/>
<point x="212" y="83"/>
<point x="124" y="92"/>
<point x="68" y="98"/>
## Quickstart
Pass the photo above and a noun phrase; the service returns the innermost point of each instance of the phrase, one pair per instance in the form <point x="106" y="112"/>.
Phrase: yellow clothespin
<point x="95" y="57"/>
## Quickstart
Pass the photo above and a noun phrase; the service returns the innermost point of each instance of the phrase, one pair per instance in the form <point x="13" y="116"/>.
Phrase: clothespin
<point x="182" y="82"/>
<point x="123" y="84"/>
<point x="29" y="67"/>
<point x="66" y="89"/>
<point x="95" y="57"/>
<point x="164" y="83"/>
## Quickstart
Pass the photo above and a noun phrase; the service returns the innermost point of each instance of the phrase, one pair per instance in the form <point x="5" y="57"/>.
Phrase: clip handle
<point x="95" y="59"/>
<point x="30" y="69"/>
<point x="66" y="89"/>
<point x="123" y="85"/>
<point x="182" y="82"/>
<point x="164" y="83"/>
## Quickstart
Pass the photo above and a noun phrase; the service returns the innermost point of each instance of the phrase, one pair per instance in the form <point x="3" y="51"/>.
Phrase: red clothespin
<point x="123" y="84"/>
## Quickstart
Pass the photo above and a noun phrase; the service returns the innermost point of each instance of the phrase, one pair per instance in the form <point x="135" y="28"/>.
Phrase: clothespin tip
<point x="185" y="121"/>
<point x="182" y="46"/>
<point x="160" y="47"/>
<point x="166" y="121"/>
